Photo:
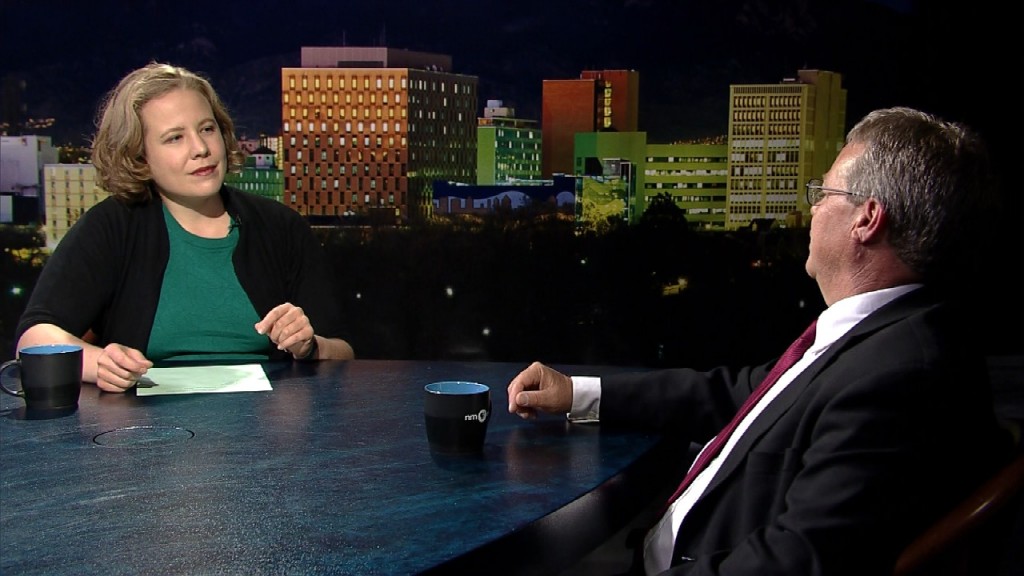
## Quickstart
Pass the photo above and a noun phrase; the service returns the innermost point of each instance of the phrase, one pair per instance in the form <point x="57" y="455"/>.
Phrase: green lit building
<point x="610" y="170"/>
<point x="260" y="176"/>
<point x="508" y="149"/>
<point x="694" y="175"/>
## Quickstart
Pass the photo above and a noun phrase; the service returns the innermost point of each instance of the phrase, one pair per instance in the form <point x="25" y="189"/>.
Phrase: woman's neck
<point x="204" y="217"/>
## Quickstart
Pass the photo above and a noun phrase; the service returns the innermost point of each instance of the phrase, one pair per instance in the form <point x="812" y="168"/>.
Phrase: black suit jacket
<point x="875" y="439"/>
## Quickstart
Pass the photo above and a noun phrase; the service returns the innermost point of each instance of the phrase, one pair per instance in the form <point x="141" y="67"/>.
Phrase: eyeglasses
<point x="816" y="192"/>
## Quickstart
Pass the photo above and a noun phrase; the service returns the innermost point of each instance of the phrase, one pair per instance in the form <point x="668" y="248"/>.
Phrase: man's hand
<point x="539" y="388"/>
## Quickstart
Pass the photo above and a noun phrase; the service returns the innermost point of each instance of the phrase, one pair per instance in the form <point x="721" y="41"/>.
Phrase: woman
<point x="175" y="265"/>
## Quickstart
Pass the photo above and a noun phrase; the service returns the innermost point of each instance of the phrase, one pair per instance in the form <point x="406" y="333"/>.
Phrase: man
<point x="879" y="427"/>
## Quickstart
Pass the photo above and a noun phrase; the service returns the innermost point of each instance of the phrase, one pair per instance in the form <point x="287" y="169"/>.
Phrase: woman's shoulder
<point x="248" y="204"/>
<point x="109" y="206"/>
<point x="108" y="225"/>
<point x="110" y="210"/>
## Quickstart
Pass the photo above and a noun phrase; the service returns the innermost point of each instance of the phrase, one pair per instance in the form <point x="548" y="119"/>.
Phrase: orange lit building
<point x="598" y="101"/>
<point x="366" y="131"/>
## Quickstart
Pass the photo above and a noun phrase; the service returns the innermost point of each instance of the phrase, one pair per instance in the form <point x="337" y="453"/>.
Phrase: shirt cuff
<point x="586" y="399"/>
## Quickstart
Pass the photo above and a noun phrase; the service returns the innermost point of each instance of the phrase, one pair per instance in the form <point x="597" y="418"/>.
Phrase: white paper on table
<point x="203" y="380"/>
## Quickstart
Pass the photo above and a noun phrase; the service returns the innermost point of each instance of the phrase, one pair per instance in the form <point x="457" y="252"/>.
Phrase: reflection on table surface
<point x="328" y="473"/>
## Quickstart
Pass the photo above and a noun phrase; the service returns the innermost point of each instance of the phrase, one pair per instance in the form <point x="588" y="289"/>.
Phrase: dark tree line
<point x="519" y="286"/>
<point x="523" y="285"/>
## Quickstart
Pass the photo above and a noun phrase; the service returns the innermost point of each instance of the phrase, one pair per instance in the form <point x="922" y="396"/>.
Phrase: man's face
<point x="830" y="255"/>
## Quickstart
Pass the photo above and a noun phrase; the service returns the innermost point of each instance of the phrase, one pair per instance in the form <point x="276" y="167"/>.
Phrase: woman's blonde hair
<point x="118" y="149"/>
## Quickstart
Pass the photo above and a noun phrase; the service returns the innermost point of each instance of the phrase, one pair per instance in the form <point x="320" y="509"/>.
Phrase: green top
<point x="203" y="312"/>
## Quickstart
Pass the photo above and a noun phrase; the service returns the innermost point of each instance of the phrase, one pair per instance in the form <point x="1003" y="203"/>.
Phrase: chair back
<point x="972" y="538"/>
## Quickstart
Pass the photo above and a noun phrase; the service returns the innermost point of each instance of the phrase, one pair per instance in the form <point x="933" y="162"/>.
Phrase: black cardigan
<point x="106" y="274"/>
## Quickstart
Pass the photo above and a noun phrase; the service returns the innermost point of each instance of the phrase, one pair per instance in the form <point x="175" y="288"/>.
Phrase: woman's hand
<point x="114" y="368"/>
<point x="288" y="327"/>
<point x="119" y="367"/>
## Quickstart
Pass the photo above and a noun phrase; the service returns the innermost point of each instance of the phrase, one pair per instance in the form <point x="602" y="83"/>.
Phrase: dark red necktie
<point x="789" y="357"/>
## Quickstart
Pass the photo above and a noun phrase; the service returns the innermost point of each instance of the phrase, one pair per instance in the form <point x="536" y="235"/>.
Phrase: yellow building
<point x="70" y="190"/>
<point x="781" y="136"/>
<point x="366" y="131"/>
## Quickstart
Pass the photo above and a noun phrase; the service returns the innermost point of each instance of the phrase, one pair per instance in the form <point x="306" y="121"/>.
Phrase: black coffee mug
<point x="51" y="376"/>
<point x="456" y="415"/>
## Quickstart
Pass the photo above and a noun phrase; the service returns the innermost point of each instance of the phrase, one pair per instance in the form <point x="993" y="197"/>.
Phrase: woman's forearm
<point x="42" y="334"/>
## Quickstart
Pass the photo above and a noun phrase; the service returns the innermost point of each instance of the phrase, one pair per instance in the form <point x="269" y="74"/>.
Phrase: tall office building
<point x="694" y="176"/>
<point x="21" y="174"/>
<point x="365" y="131"/>
<point x="781" y="136"/>
<point x="69" y="190"/>
<point x="598" y="101"/>
<point x="508" y="149"/>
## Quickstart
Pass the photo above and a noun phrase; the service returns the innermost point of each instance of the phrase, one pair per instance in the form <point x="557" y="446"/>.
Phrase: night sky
<point x="687" y="52"/>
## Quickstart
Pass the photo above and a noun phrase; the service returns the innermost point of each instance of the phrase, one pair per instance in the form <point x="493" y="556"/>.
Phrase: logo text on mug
<point x="480" y="416"/>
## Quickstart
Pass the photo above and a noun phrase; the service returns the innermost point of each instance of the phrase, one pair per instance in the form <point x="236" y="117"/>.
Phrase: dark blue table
<point x="329" y="473"/>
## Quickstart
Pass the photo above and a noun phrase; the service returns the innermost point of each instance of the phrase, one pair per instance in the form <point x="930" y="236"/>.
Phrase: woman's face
<point x="183" y="144"/>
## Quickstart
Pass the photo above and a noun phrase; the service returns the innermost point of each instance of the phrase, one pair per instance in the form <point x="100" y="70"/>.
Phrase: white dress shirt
<point x="835" y="321"/>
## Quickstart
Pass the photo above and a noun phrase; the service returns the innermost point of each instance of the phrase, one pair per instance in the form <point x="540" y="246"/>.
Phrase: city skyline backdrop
<point x="949" y="59"/>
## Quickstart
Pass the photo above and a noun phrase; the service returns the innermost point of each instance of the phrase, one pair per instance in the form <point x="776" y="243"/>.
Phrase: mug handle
<point x="3" y="368"/>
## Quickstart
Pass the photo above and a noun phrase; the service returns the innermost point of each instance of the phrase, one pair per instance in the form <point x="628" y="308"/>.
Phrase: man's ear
<point x="870" y="223"/>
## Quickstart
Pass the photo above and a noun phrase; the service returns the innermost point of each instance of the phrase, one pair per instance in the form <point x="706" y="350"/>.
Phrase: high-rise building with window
<point x="693" y="176"/>
<point x="68" y="190"/>
<point x="21" y="173"/>
<point x="598" y="101"/>
<point x="365" y="131"/>
<point x="508" y="148"/>
<point x="781" y="136"/>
